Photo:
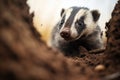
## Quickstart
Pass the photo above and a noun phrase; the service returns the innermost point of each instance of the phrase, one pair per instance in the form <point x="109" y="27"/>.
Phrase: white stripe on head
<point x="67" y="15"/>
<point x="90" y="24"/>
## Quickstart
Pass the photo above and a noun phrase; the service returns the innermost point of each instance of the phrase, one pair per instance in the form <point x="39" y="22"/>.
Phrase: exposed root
<point x="96" y="51"/>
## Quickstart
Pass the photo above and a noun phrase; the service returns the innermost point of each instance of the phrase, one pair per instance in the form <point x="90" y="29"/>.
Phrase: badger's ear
<point x="62" y="11"/>
<point x="95" y="15"/>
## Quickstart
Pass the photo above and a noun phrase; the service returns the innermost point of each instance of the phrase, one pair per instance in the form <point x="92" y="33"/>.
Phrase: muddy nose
<point x="65" y="33"/>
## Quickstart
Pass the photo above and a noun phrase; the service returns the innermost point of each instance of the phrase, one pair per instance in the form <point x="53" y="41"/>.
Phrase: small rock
<point x="100" y="67"/>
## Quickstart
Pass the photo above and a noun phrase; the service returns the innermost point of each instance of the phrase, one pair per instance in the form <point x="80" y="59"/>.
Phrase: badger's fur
<point x="77" y="27"/>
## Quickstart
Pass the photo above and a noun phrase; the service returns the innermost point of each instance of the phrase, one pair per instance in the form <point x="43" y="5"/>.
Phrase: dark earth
<point x="24" y="56"/>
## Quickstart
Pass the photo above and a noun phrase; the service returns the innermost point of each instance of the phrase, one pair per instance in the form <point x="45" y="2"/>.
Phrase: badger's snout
<point x="65" y="33"/>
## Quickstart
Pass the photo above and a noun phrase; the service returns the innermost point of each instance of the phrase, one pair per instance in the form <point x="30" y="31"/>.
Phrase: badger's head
<point x="76" y="22"/>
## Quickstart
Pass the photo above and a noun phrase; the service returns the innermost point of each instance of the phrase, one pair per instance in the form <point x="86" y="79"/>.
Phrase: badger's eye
<point x="80" y="23"/>
<point x="62" y="21"/>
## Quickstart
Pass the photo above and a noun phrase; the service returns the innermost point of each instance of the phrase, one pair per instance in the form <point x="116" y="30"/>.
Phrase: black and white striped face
<point x="76" y="22"/>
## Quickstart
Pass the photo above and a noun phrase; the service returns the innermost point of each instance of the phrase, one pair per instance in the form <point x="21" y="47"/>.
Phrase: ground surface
<point x="24" y="56"/>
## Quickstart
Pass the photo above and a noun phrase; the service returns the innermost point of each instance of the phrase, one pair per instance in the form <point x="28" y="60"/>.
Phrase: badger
<point x="78" y="26"/>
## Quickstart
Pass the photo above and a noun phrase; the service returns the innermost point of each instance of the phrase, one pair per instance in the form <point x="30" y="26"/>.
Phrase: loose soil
<point x="24" y="56"/>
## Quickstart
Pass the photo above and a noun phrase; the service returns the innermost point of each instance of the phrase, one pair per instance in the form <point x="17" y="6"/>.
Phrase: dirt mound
<point x="24" y="56"/>
<point x="113" y="34"/>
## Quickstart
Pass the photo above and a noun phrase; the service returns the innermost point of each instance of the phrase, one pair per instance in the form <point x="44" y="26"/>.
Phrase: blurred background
<point x="47" y="12"/>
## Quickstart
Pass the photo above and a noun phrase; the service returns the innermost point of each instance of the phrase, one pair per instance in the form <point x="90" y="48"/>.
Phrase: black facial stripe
<point x="80" y="25"/>
<point x="71" y="18"/>
<point x="62" y="21"/>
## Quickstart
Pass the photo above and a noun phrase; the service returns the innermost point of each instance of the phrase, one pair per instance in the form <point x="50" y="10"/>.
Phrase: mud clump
<point x="24" y="56"/>
<point x="113" y="33"/>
